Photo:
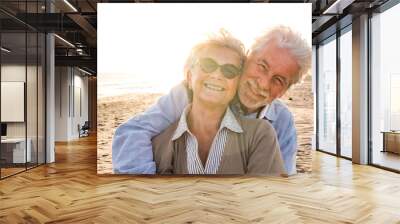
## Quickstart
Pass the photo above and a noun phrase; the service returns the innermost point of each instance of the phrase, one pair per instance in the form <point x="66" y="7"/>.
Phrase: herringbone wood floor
<point x="69" y="191"/>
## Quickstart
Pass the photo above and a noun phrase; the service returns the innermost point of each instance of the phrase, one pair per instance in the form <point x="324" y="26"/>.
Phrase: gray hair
<point x="286" y="38"/>
<point x="221" y="39"/>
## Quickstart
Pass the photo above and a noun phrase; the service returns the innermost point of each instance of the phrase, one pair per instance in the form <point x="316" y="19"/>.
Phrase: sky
<point x="143" y="47"/>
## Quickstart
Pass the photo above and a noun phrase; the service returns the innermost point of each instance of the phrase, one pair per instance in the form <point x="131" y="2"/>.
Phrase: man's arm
<point x="131" y="148"/>
<point x="287" y="138"/>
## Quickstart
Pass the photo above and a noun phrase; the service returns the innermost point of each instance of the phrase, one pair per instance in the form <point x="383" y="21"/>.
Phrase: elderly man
<point x="277" y="60"/>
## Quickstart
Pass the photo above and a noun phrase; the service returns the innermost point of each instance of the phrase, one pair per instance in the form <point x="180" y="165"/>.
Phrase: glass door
<point x="327" y="95"/>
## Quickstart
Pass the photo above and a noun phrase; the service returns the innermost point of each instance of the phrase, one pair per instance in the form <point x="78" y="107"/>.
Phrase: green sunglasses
<point x="229" y="71"/>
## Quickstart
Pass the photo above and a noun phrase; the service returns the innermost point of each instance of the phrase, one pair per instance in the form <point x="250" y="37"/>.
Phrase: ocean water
<point x="116" y="85"/>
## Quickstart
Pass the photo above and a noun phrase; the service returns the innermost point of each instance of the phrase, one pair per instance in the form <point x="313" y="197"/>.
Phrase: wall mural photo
<point x="204" y="89"/>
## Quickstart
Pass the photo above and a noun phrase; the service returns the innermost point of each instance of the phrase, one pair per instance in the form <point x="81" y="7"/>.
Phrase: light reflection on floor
<point x="386" y="159"/>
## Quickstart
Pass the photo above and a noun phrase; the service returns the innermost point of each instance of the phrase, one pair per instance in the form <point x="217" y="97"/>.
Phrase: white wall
<point x="15" y="73"/>
<point x="62" y="80"/>
<point x="81" y="84"/>
<point x="70" y="83"/>
<point x="33" y="126"/>
<point x="12" y="101"/>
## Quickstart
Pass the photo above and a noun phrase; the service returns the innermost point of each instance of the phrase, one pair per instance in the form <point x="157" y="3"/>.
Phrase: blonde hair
<point x="221" y="39"/>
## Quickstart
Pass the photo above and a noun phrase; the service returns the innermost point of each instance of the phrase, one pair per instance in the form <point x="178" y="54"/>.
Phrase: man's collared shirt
<point x="282" y="120"/>
<point x="194" y="164"/>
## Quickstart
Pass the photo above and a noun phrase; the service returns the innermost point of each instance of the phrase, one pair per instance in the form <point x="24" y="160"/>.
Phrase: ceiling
<point x="75" y="21"/>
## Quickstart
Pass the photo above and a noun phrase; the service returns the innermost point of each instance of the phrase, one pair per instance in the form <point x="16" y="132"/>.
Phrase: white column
<point x="50" y="93"/>
<point x="50" y="110"/>
<point x="360" y="90"/>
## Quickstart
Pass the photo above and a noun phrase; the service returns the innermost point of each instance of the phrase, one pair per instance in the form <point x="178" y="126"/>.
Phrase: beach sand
<point x="112" y="111"/>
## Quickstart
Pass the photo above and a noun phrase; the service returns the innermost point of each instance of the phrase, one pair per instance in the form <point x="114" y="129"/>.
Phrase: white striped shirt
<point x="194" y="164"/>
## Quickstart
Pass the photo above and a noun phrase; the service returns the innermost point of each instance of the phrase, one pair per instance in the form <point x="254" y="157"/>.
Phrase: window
<point x="327" y="96"/>
<point x="23" y="76"/>
<point x="385" y="88"/>
<point x="346" y="92"/>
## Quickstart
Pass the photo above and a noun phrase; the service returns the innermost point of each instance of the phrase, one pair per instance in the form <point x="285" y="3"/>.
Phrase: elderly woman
<point x="209" y="138"/>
